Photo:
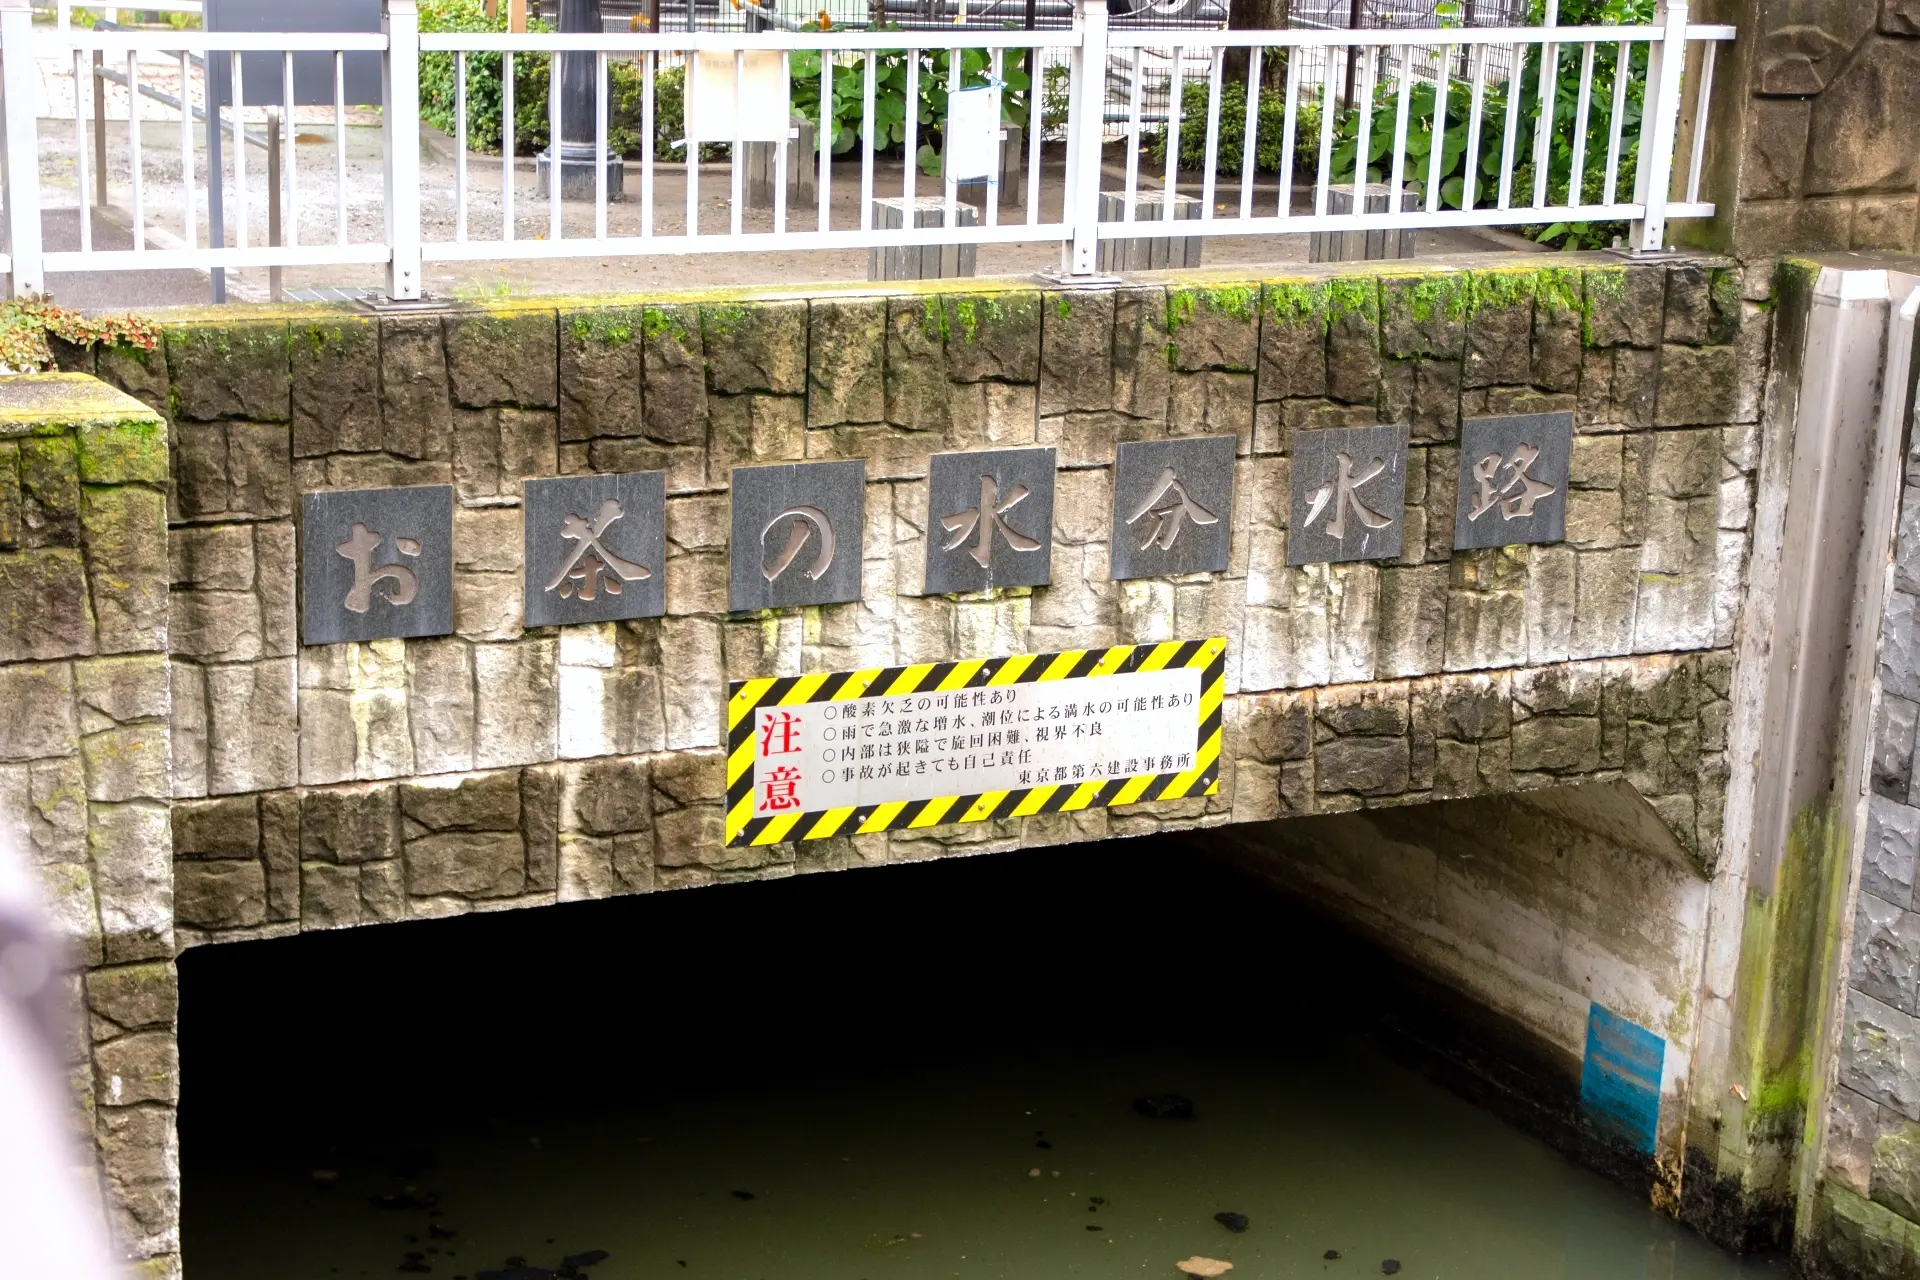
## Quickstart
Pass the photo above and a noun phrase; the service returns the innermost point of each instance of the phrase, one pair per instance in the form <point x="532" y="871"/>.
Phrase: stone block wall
<point x="323" y="786"/>
<point x="84" y="759"/>
<point x="1662" y="366"/>
<point x="1867" y="1207"/>
<point x="1814" y="121"/>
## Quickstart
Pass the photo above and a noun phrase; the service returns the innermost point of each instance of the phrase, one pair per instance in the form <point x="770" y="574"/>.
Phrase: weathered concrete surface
<point x="502" y="766"/>
<point x="85" y="772"/>
<point x="1858" y="1213"/>
<point x="1815" y="127"/>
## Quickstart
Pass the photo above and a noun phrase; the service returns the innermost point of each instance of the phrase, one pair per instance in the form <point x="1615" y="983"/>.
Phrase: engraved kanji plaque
<point x="1349" y="499"/>
<point x="798" y="533"/>
<point x="596" y="548"/>
<point x="1172" y="507"/>
<point x="376" y="564"/>
<point x="1513" y="480"/>
<point x="989" y="520"/>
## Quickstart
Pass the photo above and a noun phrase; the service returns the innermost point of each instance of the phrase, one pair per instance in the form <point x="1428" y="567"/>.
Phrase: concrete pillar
<point x="1815" y="128"/>
<point x="85" y="764"/>
<point x="1801" y="711"/>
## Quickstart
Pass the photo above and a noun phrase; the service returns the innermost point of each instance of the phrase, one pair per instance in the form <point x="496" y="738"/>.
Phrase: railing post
<point x="21" y="159"/>
<point x="1086" y="124"/>
<point x="400" y="113"/>
<point x="1666" y="60"/>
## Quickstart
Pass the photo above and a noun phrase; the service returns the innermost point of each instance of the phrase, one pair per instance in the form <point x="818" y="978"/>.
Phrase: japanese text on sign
<point x="874" y="750"/>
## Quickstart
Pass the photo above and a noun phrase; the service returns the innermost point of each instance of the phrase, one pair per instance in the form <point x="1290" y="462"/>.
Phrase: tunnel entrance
<point x="977" y="1067"/>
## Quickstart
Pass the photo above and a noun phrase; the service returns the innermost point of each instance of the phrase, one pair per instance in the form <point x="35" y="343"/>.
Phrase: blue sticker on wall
<point x="1620" y="1079"/>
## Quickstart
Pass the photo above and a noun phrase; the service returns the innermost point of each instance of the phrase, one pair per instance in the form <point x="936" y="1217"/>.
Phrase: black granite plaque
<point x="989" y="520"/>
<point x="596" y="548"/>
<point x="798" y="534"/>
<point x="1349" y="495"/>
<point x="1172" y="507"/>
<point x="1513" y="480"/>
<point x="376" y="563"/>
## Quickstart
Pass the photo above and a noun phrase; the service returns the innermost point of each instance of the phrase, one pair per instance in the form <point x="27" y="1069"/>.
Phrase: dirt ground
<point x="314" y="163"/>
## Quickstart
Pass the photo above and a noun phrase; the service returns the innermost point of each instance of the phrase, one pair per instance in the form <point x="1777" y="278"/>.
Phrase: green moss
<point x="658" y="322"/>
<point x="1242" y="302"/>
<point x="1062" y="305"/>
<point x="1297" y="303"/>
<point x="607" y="328"/>
<point x="1558" y="288"/>
<point x="1441" y="297"/>
<point x="723" y="321"/>
<point x="969" y="322"/>
<point x="1604" y="285"/>
<point x="969" y="312"/>
<point x="933" y="320"/>
<point x="1788" y="947"/>
<point x="1353" y="298"/>
<point x="130" y="452"/>
<point x="1607" y="284"/>
<point x="1500" y="289"/>
<point x="1180" y="307"/>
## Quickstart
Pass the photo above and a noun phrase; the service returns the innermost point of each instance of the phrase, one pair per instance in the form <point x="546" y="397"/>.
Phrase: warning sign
<point x="837" y="753"/>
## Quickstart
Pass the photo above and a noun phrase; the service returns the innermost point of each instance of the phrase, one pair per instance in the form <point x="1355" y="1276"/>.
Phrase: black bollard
<point x="578" y="88"/>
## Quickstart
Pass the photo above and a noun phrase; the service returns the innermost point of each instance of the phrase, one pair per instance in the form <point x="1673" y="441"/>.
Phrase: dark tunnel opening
<point x="931" y="1069"/>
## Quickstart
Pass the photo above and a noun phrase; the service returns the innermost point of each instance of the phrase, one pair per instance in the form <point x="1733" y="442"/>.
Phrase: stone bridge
<point x="1581" y="718"/>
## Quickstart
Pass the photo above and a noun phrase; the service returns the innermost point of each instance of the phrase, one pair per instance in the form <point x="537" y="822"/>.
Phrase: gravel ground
<point x="314" y="161"/>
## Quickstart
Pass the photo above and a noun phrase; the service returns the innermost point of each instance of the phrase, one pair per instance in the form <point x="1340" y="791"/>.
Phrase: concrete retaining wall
<point x="315" y="787"/>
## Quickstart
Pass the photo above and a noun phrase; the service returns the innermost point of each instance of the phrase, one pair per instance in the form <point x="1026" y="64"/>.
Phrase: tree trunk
<point x="1256" y="15"/>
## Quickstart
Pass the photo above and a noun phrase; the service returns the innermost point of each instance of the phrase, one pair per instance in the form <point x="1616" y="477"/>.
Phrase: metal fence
<point x="1419" y="93"/>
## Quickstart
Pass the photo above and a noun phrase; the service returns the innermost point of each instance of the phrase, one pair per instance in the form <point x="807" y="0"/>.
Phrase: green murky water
<point x="919" y="1072"/>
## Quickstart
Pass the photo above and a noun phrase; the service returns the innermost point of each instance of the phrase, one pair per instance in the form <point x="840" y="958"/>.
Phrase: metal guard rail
<point x="1660" y="59"/>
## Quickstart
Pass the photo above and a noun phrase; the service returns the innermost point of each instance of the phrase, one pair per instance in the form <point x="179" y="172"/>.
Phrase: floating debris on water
<point x="1234" y="1222"/>
<point x="405" y="1200"/>
<point x="1199" y="1266"/>
<point x="1390" y="1267"/>
<point x="1164" y="1106"/>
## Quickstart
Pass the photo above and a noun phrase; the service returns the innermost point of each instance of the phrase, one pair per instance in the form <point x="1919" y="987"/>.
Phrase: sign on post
<point x="312" y="70"/>
<point x="760" y="111"/>
<point x="973" y="135"/>
<point x="854" y="752"/>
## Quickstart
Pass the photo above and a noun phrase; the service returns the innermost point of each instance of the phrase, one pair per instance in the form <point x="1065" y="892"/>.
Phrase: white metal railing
<point x="204" y="206"/>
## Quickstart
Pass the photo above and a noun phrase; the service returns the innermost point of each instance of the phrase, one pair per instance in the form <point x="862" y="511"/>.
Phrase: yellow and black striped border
<point x="747" y="696"/>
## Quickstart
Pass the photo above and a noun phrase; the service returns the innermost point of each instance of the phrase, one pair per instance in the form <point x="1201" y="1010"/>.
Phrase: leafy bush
<point x="848" y="107"/>
<point x="27" y="329"/>
<point x="1417" y="154"/>
<point x="1493" y="123"/>
<point x="1269" y="130"/>
<point x="626" y="89"/>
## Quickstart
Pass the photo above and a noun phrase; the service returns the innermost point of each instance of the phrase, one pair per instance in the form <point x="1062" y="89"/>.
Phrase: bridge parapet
<point x="498" y="765"/>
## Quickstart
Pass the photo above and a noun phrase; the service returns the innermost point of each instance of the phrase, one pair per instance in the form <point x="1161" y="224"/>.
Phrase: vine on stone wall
<point x="26" y="328"/>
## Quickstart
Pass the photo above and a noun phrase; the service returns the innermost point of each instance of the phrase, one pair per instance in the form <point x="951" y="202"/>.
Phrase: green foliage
<point x="1269" y="129"/>
<point x="1056" y="95"/>
<point x="25" y="327"/>
<point x="848" y="107"/>
<point x="626" y="89"/>
<point x="1416" y="156"/>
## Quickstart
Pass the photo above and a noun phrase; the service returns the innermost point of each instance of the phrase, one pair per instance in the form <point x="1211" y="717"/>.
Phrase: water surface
<point x="891" y="1075"/>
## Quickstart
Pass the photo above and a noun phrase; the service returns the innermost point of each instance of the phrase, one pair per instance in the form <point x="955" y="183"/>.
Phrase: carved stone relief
<point x="1804" y="43"/>
<point x="1900" y="18"/>
<point x="1863" y="126"/>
